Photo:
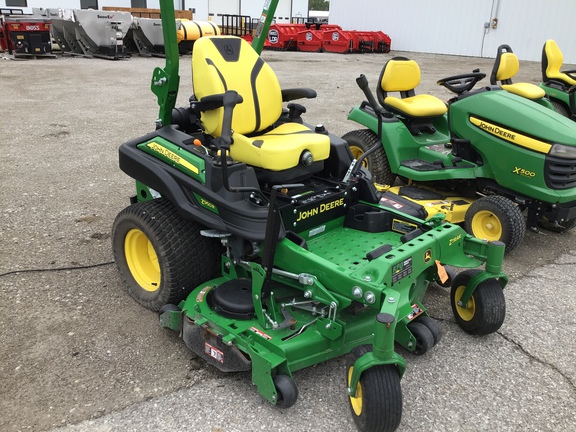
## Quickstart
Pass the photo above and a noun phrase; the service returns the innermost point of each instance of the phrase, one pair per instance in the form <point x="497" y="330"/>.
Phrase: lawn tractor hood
<point x="514" y="119"/>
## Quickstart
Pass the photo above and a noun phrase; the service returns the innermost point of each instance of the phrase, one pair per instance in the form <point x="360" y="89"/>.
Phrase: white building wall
<point x="457" y="26"/>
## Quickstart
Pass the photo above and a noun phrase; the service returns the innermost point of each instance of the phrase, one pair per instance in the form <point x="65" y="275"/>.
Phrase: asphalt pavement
<point x="78" y="354"/>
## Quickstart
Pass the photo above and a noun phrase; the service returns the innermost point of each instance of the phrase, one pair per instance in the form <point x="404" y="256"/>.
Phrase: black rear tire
<point x="360" y="141"/>
<point x="160" y="255"/>
<point x="377" y="406"/>
<point x="560" y="107"/>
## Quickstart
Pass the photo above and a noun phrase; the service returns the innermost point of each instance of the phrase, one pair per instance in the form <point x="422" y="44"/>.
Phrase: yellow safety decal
<point x="172" y="156"/>
<point x="511" y="136"/>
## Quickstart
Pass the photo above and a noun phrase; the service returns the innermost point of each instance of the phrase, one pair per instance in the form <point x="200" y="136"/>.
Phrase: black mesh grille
<point x="560" y="173"/>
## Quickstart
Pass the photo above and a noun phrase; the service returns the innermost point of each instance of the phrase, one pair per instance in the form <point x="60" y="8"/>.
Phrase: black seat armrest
<point x="297" y="93"/>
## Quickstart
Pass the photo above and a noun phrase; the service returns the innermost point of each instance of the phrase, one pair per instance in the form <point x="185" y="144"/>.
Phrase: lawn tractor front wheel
<point x="496" y="218"/>
<point x="377" y="406"/>
<point x="161" y="256"/>
<point x="485" y="310"/>
<point x="360" y="141"/>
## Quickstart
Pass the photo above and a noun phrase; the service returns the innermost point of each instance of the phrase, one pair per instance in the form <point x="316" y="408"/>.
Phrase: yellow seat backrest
<point x="400" y="76"/>
<point x="222" y="63"/>
<point x="552" y="60"/>
<point x="509" y="66"/>
<point x="403" y="75"/>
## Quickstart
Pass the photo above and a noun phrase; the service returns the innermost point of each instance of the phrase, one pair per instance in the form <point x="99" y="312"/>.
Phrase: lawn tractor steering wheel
<point x="461" y="83"/>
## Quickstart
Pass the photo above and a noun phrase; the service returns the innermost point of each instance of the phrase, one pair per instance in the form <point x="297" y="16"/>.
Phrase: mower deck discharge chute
<point x="482" y="160"/>
<point x="257" y="238"/>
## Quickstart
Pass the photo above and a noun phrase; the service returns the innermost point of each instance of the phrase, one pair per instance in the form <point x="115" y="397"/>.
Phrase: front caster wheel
<point x="287" y="391"/>
<point x="377" y="406"/>
<point x="485" y="311"/>
<point x="432" y="325"/>
<point x="424" y="337"/>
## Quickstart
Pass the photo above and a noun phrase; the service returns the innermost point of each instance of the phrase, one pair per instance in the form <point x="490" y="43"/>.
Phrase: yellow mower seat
<point x="402" y="75"/>
<point x="552" y="60"/>
<point x="505" y="67"/>
<point x="222" y="63"/>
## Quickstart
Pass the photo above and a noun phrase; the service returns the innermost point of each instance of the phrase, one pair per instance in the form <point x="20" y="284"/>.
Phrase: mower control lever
<point x="362" y="82"/>
<point x="355" y="166"/>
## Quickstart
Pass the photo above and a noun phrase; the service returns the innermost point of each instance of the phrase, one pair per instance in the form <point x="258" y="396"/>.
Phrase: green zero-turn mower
<point x="256" y="238"/>
<point x="559" y="85"/>
<point x="482" y="160"/>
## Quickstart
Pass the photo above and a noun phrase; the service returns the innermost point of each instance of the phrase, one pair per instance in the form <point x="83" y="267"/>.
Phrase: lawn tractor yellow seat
<point x="288" y="151"/>
<point x="552" y="60"/>
<point x="505" y="67"/>
<point x="416" y="111"/>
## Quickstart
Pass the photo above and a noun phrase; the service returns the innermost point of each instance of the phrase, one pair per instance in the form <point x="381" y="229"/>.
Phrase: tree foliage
<point x="318" y="5"/>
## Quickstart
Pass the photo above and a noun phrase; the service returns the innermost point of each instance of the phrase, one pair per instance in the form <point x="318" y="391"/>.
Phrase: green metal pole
<point x="165" y="82"/>
<point x="264" y="24"/>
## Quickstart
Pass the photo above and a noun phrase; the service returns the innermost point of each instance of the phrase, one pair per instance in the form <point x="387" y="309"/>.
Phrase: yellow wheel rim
<point x="356" y="402"/>
<point x="465" y="312"/>
<point x="486" y="225"/>
<point x="142" y="260"/>
<point x="356" y="153"/>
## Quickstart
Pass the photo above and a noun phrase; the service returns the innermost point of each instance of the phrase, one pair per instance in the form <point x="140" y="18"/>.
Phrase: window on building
<point x="138" y="3"/>
<point x="18" y="3"/>
<point x="88" y="4"/>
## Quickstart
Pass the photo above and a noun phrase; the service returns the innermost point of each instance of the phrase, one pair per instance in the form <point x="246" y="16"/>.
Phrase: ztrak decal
<point x="454" y="240"/>
<point x="512" y="136"/>
<point x="205" y="203"/>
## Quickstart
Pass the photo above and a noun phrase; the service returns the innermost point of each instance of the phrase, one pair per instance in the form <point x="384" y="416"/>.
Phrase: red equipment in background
<point x="24" y="35"/>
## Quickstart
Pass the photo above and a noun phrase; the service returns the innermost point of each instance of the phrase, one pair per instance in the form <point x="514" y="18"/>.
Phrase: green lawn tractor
<point x="482" y="160"/>
<point x="266" y="248"/>
<point x="559" y="85"/>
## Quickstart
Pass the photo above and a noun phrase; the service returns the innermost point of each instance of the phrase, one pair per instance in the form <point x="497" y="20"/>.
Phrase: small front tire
<point x="287" y="391"/>
<point x="424" y="337"/>
<point x="485" y="311"/>
<point x="377" y="406"/>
